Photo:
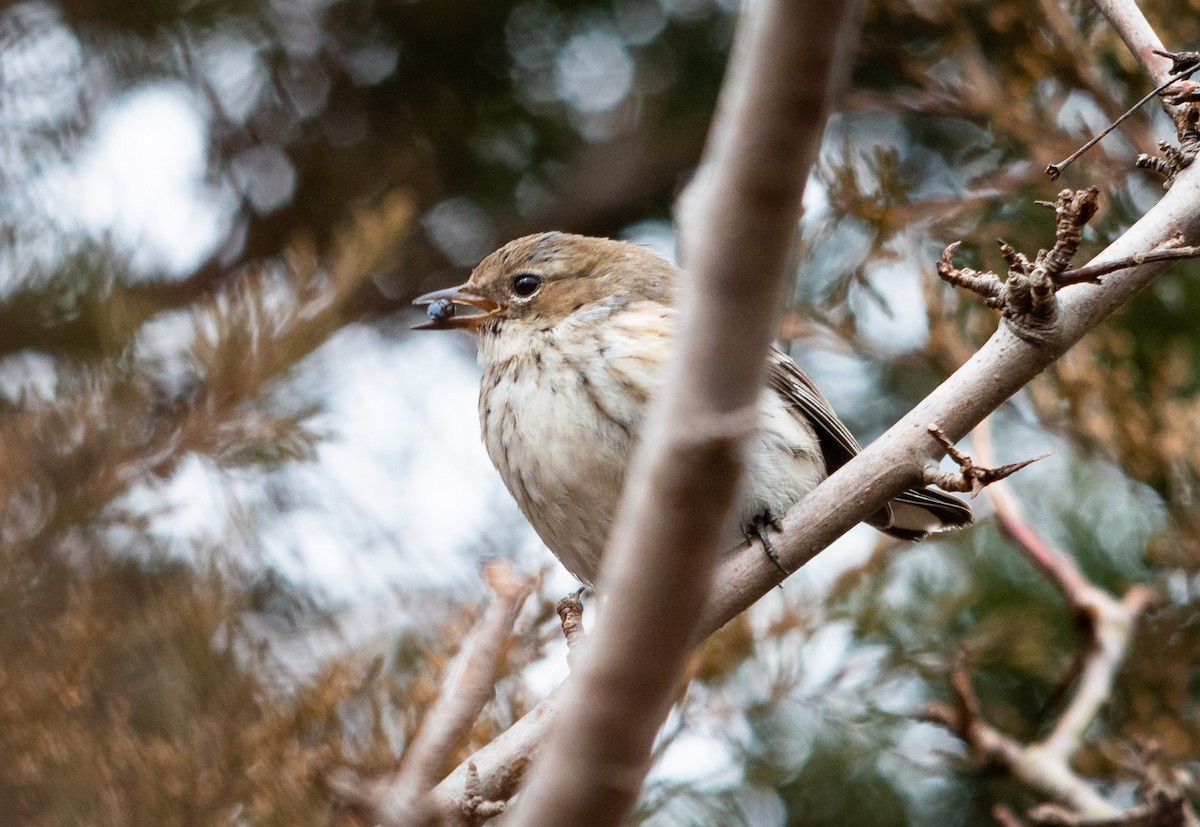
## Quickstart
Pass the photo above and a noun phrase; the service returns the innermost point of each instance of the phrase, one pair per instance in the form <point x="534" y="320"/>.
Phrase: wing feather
<point x="915" y="512"/>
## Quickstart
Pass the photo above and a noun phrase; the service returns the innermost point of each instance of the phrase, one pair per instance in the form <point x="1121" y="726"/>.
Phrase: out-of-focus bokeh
<point x="244" y="507"/>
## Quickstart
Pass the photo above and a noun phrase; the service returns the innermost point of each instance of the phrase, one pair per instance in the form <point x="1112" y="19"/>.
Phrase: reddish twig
<point x="1044" y="766"/>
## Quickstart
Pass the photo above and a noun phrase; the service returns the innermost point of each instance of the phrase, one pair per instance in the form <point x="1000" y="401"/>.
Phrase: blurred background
<point x="243" y="508"/>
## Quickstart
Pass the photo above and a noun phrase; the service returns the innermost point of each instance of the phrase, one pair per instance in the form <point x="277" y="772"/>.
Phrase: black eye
<point x="526" y="285"/>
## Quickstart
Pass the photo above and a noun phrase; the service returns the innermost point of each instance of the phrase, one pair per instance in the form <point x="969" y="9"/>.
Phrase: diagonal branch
<point x="403" y="801"/>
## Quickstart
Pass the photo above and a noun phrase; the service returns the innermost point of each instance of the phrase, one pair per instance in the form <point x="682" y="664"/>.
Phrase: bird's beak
<point x="443" y="303"/>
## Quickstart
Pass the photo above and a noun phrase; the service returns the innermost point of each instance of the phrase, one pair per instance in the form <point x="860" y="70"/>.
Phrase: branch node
<point x="970" y="477"/>
<point x="1027" y="294"/>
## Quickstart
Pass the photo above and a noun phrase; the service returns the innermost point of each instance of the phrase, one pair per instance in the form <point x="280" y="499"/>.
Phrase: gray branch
<point x="738" y="222"/>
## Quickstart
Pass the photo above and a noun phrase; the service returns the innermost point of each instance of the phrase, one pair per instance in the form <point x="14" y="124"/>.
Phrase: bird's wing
<point x="838" y="445"/>
<point x="914" y="512"/>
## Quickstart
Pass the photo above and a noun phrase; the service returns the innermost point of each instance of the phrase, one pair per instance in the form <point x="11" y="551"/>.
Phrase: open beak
<point x="443" y="306"/>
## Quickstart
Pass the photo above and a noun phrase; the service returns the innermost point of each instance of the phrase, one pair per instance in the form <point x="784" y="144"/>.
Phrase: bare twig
<point x="1055" y="170"/>
<point x="991" y="748"/>
<point x="1092" y="273"/>
<point x="404" y="801"/>
<point x="1045" y="766"/>
<point x="970" y="477"/>
<point x="1109" y="621"/>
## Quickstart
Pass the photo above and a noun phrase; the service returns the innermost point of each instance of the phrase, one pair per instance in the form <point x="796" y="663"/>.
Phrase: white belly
<point x="561" y="425"/>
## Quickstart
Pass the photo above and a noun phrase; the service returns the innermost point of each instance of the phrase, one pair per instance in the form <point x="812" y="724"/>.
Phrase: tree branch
<point x="738" y="221"/>
<point x="1133" y="28"/>
<point x="403" y="801"/>
<point x="1108" y="623"/>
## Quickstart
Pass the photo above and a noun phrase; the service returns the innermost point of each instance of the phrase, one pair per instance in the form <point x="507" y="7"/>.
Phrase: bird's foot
<point x="570" y="612"/>
<point x="759" y="528"/>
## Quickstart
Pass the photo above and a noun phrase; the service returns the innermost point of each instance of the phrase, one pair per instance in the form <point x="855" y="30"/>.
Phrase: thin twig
<point x="1092" y="273"/>
<point x="1045" y="765"/>
<point x="1055" y="170"/>
<point x="404" y="801"/>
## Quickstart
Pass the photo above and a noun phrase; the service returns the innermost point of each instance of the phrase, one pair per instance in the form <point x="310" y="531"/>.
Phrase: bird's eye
<point x="526" y="285"/>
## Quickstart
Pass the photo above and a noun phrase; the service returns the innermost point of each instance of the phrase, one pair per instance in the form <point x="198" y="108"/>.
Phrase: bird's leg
<point x="570" y="612"/>
<point x="758" y="529"/>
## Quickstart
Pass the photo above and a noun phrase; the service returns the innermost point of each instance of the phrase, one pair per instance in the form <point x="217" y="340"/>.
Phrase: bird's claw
<point x="757" y="529"/>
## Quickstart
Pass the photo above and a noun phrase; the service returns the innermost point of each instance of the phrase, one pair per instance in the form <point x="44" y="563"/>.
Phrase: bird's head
<point x="539" y="281"/>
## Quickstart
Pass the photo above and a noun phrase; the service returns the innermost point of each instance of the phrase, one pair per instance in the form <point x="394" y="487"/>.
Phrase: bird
<point x="572" y="336"/>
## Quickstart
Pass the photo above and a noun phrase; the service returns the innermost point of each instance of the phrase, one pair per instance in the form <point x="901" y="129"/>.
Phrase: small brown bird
<point x="573" y="333"/>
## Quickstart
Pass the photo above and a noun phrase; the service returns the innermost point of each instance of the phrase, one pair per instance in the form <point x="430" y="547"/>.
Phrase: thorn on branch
<point x="1026" y="295"/>
<point x="970" y="477"/>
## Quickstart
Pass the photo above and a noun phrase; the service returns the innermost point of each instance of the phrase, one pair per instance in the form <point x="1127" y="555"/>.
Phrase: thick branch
<point x="1132" y="27"/>
<point x="738" y="222"/>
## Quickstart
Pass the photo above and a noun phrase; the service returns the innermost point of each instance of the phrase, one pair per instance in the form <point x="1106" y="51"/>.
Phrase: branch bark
<point x="738" y="221"/>
<point x="1132" y="27"/>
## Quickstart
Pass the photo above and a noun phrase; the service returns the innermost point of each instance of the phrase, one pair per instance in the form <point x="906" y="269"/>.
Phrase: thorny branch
<point x="403" y="801"/>
<point x="970" y="477"/>
<point x="1026" y="296"/>
<point x="1107" y="626"/>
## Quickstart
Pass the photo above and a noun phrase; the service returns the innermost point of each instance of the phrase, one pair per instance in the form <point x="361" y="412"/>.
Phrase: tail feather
<point x="919" y="512"/>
